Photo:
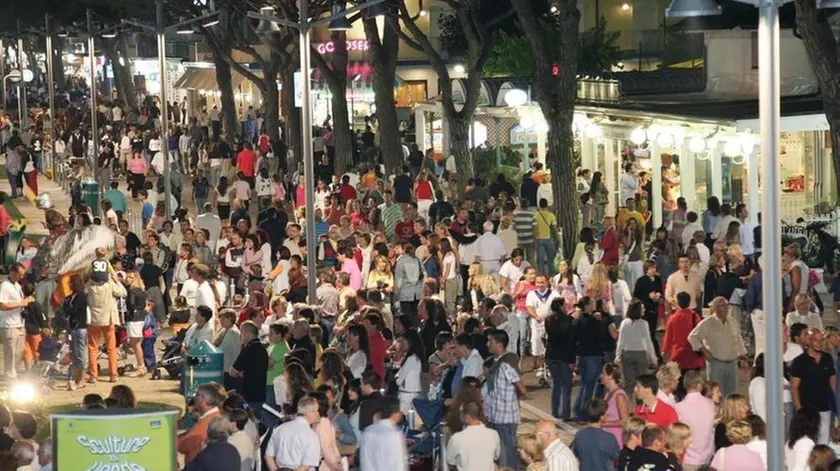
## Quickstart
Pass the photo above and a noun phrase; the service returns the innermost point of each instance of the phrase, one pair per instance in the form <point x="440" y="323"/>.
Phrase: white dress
<point x="408" y="383"/>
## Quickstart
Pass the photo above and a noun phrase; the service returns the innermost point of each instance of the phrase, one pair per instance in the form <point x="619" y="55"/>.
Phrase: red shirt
<point x="662" y="414"/>
<point x="246" y="161"/>
<point x="675" y="344"/>
<point x="609" y="244"/>
<point x="347" y="193"/>
<point x="335" y="216"/>
<point x="378" y="348"/>
<point x="404" y="230"/>
<point x="423" y="190"/>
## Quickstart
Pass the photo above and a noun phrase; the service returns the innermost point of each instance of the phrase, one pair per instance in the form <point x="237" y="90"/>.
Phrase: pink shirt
<point x="137" y="166"/>
<point x="352" y="268"/>
<point x="698" y="412"/>
<point x="736" y="458"/>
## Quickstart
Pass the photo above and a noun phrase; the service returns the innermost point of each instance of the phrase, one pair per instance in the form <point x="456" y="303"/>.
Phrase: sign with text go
<point x="351" y="45"/>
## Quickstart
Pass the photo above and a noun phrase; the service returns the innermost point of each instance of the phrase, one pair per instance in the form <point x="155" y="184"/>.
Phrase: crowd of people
<point x="431" y="306"/>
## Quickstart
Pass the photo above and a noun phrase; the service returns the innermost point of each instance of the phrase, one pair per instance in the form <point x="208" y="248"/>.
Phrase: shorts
<point x="30" y="346"/>
<point x="537" y="342"/>
<point x="134" y="330"/>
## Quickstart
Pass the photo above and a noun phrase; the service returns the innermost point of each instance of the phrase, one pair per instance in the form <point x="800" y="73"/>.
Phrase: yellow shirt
<point x="545" y="219"/>
<point x="374" y="277"/>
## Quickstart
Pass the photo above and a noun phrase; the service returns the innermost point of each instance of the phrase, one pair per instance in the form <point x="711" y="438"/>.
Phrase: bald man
<point x="558" y="457"/>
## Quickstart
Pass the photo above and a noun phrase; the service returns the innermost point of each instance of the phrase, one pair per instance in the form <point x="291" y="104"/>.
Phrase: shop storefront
<point x="698" y="154"/>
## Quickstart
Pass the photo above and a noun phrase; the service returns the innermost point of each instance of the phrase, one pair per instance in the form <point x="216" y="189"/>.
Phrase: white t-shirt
<point x="11" y="293"/>
<point x="449" y="260"/>
<point x="116" y="113"/>
<point x="357" y="362"/>
<point x="513" y="273"/>
<point x="205" y="297"/>
<point x="190" y="291"/>
<point x="541" y="305"/>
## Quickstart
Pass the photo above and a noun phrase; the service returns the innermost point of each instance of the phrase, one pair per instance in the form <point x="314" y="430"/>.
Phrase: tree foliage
<point x="598" y="51"/>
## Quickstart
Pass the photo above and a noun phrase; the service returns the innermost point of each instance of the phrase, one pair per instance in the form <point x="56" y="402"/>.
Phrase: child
<point x="595" y="448"/>
<point x="264" y="189"/>
<point x="149" y="336"/>
<point x="33" y="321"/>
<point x="179" y="318"/>
<point x="49" y="348"/>
<point x="632" y="437"/>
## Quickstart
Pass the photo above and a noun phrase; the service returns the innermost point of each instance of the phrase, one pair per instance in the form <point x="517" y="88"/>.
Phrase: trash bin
<point x="90" y="194"/>
<point x="204" y="364"/>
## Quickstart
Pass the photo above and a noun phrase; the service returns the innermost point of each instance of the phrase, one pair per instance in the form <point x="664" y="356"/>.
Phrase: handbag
<point x="625" y="257"/>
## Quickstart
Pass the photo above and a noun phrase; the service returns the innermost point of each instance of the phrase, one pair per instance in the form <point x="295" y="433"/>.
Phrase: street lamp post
<point x="92" y="58"/>
<point x="304" y="27"/>
<point x="3" y="72"/>
<point x="22" y="114"/>
<point x="771" y="233"/>
<point x="164" y="115"/>
<point x="160" y="32"/>
<point x="51" y="90"/>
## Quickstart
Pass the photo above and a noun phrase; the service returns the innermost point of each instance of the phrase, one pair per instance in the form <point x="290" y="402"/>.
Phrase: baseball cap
<point x="99" y="270"/>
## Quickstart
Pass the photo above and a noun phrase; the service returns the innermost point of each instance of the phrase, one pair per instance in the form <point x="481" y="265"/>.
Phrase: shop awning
<point x="359" y="76"/>
<point x="202" y="78"/>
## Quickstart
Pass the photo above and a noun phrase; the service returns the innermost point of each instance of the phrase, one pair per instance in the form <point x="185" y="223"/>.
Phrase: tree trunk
<point x="111" y="52"/>
<point x="560" y="161"/>
<point x="293" y="129"/>
<point x="58" y="69"/>
<point x="223" y="79"/>
<point x="271" y="95"/>
<point x="459" y="143"/>
<point x="342" y="138"/>
<point x="384" y="64"/>
<point x="821" y="45"/>
<point x="125" y="73"/>
<point x="556" y="97"/>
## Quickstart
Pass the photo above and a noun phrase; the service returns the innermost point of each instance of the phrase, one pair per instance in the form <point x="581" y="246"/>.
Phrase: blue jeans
<point x="545" y="256"/>
<point x="589" y="369"/>
<point x="509" y="456"/>
<point x="561" y="389"/>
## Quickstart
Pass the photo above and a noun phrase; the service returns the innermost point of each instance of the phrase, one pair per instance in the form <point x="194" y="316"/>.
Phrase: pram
<point x="59" y="370"/>
<point x="425" y="445"/>
<point x="172" y="361"/>
<point x="123" y="365"/>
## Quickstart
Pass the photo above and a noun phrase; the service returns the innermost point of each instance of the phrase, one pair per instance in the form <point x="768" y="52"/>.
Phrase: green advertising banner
<point x="113" y="440"/>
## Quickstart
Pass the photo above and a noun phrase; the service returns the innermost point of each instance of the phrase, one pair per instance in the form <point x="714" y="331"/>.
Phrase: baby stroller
<point x="55" y="369"/>
<point x="123" y="366"/>
<point x="425" y="445"/>
<point x="172" y="361"/>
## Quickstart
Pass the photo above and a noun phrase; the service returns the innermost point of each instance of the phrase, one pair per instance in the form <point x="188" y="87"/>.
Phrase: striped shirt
<point x="558" y="457"/>
<point x="391" y="215"/>
<point x="523" y="223"/>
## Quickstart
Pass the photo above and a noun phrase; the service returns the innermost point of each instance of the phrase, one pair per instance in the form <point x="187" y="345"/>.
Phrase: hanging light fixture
<point x="697" y="144"/>
<point x="340" y="23"/>
<point x="638" y="136"/>
<point x="732" y="148"/>
<point x="265" y="26"/>
<point x="692" y="8"/>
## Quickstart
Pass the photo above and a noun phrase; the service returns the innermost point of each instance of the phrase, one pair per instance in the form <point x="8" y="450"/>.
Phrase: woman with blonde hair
<point x="669" y="379"/>
<point x="598" y="286"/>
<point x="532" y="452"/>
<point x="381" y="273"/>
<point x="136" y="303"/>
<point x="737" y="456"/>
<point x="677" y="440"/>
<point x="735" y="407"/>
<point x="803" y="313"/>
